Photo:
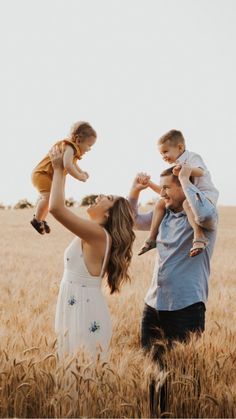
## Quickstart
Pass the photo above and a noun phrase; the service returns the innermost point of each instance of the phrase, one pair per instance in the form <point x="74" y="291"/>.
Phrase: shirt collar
<point x="184" y="156"/>
<point x="176" y="214"/>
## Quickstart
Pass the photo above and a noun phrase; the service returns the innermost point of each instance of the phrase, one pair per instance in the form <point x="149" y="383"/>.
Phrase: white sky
<point x="133" y="69"/>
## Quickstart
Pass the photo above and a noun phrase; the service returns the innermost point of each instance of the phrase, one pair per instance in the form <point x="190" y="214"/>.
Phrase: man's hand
<point x="185" y="172"/>
<point x="176" y="169"/>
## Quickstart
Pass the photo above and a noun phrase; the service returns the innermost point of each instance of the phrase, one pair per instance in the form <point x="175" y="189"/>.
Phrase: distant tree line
<point x="70" y="202"/>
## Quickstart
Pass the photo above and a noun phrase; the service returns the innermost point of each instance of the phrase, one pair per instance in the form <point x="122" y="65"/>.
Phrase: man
<point x="175" y="302"/>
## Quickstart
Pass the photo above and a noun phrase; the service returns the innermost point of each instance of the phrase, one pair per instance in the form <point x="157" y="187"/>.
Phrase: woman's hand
<point x="140" y="182"/>
<point x="56" y="156"/>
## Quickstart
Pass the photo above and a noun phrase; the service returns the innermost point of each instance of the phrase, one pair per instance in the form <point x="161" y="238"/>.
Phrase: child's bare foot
<point x="38" y="225"/>
<point x="148" y="245"/>
<point x="198" y="246"/>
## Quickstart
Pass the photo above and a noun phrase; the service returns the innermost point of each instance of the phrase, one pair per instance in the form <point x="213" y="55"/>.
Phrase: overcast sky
<point x="133" y="69"/>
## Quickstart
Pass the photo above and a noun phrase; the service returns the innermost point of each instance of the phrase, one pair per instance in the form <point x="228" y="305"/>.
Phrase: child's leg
<point x="199" y="239"/>
<point x="157" y="217"/>
<point x="42" y="206"/>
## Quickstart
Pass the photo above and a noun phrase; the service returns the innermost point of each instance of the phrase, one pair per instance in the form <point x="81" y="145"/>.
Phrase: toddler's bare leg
<point x="158" y="214"/>
<point x="42" y="206"/>
<point x="157" y="217"/>
<point x="199" y="239"/>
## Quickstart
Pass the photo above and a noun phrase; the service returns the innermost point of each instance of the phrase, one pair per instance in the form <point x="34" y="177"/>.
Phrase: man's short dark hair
<point x="168" y="172"/>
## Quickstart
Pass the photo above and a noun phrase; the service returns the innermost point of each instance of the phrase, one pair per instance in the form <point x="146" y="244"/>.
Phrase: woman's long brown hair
<point x="120" y="227"/>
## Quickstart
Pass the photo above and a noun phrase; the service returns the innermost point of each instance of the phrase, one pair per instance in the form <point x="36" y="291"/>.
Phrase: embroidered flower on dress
<point x="72" y="301"/>
<point x="94" y="326"/>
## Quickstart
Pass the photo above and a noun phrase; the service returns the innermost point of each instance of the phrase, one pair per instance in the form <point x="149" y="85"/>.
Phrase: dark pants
<point x="160" y="328"/>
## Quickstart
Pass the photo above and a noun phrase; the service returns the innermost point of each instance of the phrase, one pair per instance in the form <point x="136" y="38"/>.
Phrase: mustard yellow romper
<point x="43" y="173"/>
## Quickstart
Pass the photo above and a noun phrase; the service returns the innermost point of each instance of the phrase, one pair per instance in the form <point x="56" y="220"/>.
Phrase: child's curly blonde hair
<point x="81" y="130"/>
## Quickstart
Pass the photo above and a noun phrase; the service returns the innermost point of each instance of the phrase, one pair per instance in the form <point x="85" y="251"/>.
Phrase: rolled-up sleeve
<point x="142" y="221"/>
<point x="205" y="212"/>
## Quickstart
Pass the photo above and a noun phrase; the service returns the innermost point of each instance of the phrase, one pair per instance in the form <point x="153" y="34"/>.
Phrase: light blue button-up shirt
<point x="179" y="280"/>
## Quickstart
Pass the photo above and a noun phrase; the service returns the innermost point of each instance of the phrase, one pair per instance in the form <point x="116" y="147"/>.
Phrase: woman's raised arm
<point x="87" y="230"/>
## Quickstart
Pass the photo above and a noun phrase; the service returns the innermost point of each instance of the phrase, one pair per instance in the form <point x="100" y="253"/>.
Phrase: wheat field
<point x="201" y="375"/>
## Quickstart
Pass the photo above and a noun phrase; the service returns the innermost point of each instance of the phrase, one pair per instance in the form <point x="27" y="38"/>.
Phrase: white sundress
<point x="82" y="316"/>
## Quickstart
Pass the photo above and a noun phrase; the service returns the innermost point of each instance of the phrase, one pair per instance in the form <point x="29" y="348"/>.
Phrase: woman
<point x="103" y="246"/>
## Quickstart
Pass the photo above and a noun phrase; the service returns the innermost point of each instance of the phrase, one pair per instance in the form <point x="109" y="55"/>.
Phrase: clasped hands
<point x="183" y="171"/>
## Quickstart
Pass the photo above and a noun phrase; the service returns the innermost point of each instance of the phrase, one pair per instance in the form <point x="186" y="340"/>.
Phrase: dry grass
<point x="201" y="375"/>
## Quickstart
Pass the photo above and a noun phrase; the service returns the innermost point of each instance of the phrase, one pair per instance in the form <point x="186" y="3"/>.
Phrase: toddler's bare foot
<point x="198" y="246"/>
<point x="149" y="244"/>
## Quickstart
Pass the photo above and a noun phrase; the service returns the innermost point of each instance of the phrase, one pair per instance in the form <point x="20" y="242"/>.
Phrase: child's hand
<point x="176" y="169"/>
<point x="83" y="176"/>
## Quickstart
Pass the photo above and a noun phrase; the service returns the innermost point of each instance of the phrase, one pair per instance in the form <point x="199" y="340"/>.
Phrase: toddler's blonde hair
<point x="172" y="137"/>
<point x="81" y="130"/>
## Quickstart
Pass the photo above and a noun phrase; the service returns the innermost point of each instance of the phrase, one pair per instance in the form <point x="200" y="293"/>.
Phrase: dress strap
<point x="106" y="253"/>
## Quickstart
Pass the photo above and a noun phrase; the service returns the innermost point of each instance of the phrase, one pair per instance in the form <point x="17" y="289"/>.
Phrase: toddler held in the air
<point x="80" y="141"/>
